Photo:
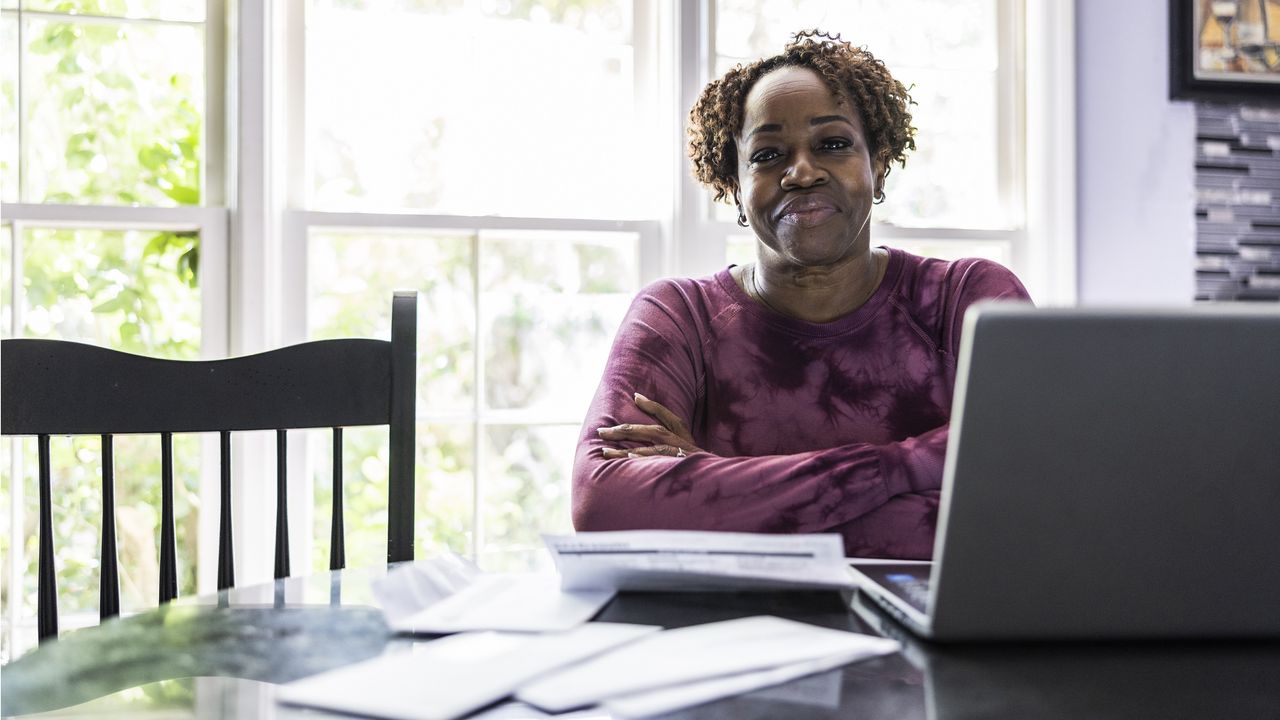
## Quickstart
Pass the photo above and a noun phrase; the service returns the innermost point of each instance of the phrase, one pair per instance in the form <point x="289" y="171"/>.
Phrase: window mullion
<point x="478" y="396"/>
<point x="17" y="293"/>
<point x="16" y="566"/>
<point x="701" y="250"/>
<point x="254" y="264"/>
<point x="1010" y="123"/>
<point x="22" y="115"/>
<point x="213" y="186"/>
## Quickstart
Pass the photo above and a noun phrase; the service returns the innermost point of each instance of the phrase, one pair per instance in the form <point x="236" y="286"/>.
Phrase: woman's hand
<point x="670" y="439"/>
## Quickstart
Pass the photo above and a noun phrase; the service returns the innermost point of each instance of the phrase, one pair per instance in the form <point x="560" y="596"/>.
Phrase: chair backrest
<point x="53" y="387"/>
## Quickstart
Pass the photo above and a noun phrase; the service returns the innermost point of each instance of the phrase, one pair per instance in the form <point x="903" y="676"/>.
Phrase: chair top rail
<point x="66" y="388"/>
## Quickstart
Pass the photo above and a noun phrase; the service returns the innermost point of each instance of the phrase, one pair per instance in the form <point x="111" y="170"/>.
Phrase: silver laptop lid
<point x="1112" y="473"/>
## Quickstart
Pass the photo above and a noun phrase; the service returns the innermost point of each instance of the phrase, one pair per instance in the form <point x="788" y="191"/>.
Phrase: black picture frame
<point x="1184" y="51"/>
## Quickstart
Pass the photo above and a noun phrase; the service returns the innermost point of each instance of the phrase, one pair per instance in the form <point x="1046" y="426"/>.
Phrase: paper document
<point x="687" y="560"/>
<point x="701" y="652"/>
<point x="453" y="676"/>
<point x="516" y="603"/>
<point x="413" y="586"/>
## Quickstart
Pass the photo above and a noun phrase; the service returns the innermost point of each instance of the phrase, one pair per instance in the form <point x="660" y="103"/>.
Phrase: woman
<point x="809" y="391"/>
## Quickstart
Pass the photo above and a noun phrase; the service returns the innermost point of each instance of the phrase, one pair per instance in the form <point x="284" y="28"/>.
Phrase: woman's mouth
<point x="807" y="211"/>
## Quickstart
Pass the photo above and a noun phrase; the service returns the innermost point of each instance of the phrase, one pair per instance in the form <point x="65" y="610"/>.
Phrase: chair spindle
<point x="109" y="582"/>
<point x="337" y="548"/>
<point x="226" y="557"/>
<point x="282" y="506"/>
<point x="47" y="607"/>
<point x="168" y="541"/>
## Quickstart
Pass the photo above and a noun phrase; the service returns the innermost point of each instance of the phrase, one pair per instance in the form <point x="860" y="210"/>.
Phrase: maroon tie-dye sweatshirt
<point x="832" y="427"/>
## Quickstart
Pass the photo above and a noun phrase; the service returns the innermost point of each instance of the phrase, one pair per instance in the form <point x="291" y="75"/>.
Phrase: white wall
<point x="1136" y="159"/>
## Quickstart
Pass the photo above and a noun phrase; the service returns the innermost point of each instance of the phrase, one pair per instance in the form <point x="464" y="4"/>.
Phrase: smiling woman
<point x="806" y="183"/>
<point x="809" y="391"/>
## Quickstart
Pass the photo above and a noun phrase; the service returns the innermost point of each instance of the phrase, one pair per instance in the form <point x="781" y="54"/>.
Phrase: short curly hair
<point x="716" y="118"/>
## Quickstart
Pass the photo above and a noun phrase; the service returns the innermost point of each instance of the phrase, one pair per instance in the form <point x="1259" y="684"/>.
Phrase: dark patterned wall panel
<point x="1237" y="203"/>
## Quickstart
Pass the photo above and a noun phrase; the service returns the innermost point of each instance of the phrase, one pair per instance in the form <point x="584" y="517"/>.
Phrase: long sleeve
<point x="805" y="492"/>
<point x="807" y="428"/>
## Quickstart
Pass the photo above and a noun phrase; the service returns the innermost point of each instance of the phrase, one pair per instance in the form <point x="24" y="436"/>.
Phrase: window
<point x="500" y="166"/>
<point x="960" y="192"/>
<point x="105" y="224"/>
<point x="513" y="329"/>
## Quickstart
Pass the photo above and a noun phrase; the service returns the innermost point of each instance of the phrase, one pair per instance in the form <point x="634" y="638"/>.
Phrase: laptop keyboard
<point x="913" y="589"/>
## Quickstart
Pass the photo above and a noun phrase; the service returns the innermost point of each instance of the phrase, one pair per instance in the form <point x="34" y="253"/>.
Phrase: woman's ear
<point x="881" y="169"/>
<point x="742" y="214"/>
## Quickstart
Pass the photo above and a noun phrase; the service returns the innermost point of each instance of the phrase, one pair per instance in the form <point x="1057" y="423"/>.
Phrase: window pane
<point x="133" y="291"/>
<point x="129" y="290"/>
<point x="525" y="488"/>
<point x="951" y="178"/>
<point x="192" y="10"/>
<point x="352" y="275"/>
<point x="9" y="108"/>
<point x="551" y="304"/>
<point x="113" y="113"/>
<point x="949" y="61"/>
<point x="443" y="498"/>
<point x="525" y="109"/>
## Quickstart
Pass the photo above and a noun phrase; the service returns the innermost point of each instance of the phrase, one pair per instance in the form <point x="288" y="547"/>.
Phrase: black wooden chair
<point x="54" y="387"/>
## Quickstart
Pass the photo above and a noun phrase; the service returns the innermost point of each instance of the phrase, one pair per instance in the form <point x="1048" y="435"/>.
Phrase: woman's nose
<point x="803" y="172"/>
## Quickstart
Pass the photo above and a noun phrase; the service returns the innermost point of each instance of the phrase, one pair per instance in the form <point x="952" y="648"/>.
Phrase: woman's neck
<point x="816" y="295"/>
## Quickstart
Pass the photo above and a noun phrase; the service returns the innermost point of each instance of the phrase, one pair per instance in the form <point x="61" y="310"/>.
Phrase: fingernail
<point x="641" y="397"/>
<point x="632" y="455"/>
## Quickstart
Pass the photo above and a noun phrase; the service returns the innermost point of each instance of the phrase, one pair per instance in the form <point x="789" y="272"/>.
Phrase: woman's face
<point x="806" y="178"/>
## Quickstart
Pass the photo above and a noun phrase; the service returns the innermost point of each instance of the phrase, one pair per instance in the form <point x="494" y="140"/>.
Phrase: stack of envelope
<point x="630" y="670"/>
<point x="527" y="636"/>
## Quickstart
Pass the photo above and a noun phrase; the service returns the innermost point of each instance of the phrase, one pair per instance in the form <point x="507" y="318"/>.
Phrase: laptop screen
<point x="908" y="582"/>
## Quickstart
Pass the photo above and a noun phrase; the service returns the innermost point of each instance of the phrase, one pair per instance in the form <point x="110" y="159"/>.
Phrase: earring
<point x="742" y="217"/>
<point x="878" y="197"/>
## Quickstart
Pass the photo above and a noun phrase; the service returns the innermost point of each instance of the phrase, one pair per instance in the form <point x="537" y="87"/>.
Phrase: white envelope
<point x="514" y="603"/>
<point x="452" y="676"/>
<point x="676" y="657"/>
<point x="670" y="699"/>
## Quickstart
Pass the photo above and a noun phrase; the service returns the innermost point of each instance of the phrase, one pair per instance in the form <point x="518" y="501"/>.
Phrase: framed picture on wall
<point x="1224" y="50"/>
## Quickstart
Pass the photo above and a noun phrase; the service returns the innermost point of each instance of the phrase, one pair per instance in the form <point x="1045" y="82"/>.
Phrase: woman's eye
<point x="836" y="144"/>
<point x="763" y="156"/>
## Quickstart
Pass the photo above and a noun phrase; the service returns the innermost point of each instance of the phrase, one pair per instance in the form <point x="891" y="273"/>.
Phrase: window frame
<point x="210" y="219"/>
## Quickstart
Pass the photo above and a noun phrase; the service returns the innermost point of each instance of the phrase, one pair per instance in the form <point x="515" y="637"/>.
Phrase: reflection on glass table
<point x="223" y="656"/>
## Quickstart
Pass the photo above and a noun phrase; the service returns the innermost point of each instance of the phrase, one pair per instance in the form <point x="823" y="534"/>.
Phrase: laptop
<point x="1111" y="474"/>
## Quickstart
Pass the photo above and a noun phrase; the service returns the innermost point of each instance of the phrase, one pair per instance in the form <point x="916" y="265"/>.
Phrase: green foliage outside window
<point x="112" y="116"/>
